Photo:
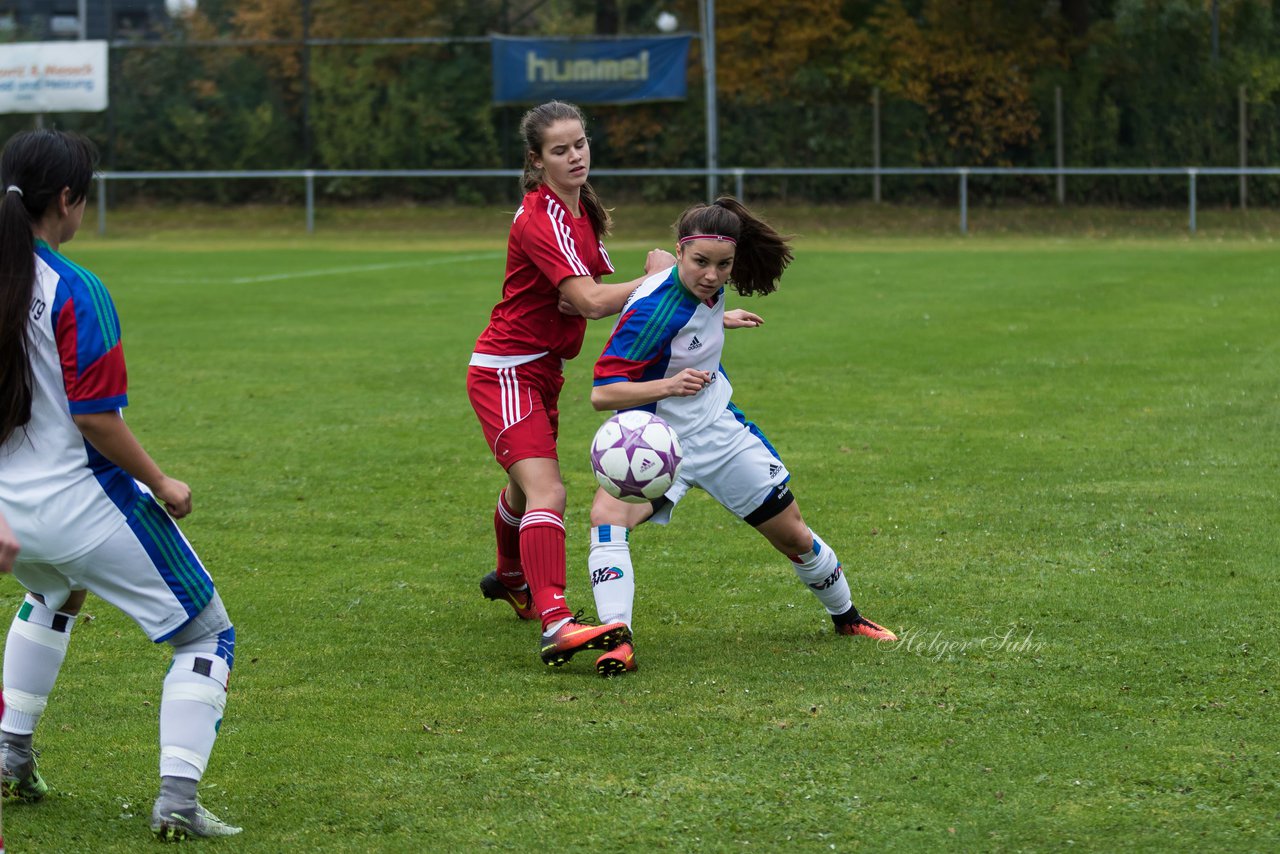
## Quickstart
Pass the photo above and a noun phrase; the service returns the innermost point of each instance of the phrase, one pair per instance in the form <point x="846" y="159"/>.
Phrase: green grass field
<point x="1049" y="463"/>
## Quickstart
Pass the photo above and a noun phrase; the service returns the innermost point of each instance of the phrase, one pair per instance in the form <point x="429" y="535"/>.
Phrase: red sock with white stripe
<point x="506" y="527"/>
<point x="543" y="558"/>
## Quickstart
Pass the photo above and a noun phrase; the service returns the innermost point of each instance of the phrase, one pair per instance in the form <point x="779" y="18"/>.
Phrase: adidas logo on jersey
<point x="774" y="468"/>
<point x="695" y="343"/>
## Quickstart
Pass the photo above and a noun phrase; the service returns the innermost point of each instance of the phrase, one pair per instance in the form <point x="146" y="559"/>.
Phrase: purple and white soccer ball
<point x="635" y="456"/>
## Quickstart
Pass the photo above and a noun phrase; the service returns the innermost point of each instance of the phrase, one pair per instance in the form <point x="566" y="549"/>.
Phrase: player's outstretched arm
<point x="107" y="432"/>
<point x="625" y="395"/>
<point x="740" y="318"/>
<point x="592" y="299"/>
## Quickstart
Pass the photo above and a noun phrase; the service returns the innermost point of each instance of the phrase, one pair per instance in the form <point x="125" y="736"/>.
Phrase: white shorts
<point x="146" y="568"/>
<point x="732" y="461"/>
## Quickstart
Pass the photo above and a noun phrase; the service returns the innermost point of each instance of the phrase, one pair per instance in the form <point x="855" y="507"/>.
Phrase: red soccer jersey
<point x="548" y="244"/>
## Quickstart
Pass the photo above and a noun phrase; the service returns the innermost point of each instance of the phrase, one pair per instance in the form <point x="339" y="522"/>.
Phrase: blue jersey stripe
<point x="108" y="322"/>
<point x="177" y="564"/>
<point x="751" y="425"/>
<point x="672" y="312"/>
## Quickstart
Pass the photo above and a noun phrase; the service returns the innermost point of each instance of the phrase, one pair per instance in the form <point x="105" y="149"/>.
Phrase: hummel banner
<point x="594" y="70"/>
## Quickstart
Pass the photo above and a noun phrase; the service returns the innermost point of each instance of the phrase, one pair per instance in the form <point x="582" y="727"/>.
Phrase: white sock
<point x="33" y="655"/>
<point x="820" y="570"/>
<point x="613" y="581"/>
<point x="195" y="694"/>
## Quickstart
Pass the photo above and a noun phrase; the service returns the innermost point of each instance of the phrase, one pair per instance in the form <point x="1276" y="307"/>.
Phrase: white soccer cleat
<point x="170" y="825"/>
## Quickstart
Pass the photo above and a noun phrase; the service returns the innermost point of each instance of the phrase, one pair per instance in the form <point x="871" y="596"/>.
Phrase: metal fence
<point x="739" y="177"/>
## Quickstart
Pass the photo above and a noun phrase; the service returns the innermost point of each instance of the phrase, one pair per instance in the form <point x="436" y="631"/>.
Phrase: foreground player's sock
<point x="506" y="528"/>
<point x="542" y="556"/>
<point x="193" y="699"/>
<point x="178" y="792"/>
<point x="33" y="655"/>
<point x="612" y="580"/>
<point x="819" y="569"/>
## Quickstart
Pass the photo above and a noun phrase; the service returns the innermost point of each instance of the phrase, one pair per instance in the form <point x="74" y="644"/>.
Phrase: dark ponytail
<point x="761" y="253"/>
<point x="34" y="169"/>
<point x="533" y="126"/>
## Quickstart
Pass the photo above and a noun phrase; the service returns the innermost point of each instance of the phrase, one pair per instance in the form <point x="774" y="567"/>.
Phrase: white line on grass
<point x="333" y="271"/>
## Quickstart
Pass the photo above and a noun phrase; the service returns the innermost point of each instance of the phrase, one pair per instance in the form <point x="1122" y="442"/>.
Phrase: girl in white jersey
<point x="84" y="499"/>
<point x="664" y="356"/>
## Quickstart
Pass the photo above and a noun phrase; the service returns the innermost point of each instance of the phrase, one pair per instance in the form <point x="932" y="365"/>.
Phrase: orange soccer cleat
<point x="575" y="636"/>
<point x="860" y="625"/>
<point x="621" y="659"/>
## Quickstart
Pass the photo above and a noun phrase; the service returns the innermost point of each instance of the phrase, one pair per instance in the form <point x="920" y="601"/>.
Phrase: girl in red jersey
<point x="555" y="260"/>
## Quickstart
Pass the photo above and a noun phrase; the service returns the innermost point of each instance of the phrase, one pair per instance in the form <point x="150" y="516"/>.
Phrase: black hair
<point x="35" y="168"/>
<point x="533" y="125"/>
<point x="761" y="253"/>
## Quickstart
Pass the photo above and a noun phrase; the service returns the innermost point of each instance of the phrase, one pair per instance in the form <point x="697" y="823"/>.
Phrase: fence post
<point x="1244" y="151"/>
<point x="1057" y="147"/>
<point x="1191" y="192"/>
<point x="737" y="184"/>
<point x="311" y="200"/>
<point x="875" y="144"/>
<point x="964" y="201"/>
<point x="102" y="203"/>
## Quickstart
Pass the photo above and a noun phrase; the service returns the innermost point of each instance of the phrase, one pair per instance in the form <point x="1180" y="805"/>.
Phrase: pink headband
<point x="685" y="240"/>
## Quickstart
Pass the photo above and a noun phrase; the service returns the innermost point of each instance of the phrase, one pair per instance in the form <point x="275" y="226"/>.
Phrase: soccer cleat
<point x="175" y="825"/>
<point x="23" y="782"/>
<point x="575" y="636"/>
<point x="621" y="659"/>
<point x="860" y="625"/>
<point x="520" y="600"/>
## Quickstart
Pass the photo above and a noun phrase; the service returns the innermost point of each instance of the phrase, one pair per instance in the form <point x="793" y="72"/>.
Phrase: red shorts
<point x="518" y="408"/>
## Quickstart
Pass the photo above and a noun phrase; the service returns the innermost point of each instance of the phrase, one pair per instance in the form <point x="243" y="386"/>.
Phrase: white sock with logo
<point x="613" y="581"/>
<point x="820" y="570"/>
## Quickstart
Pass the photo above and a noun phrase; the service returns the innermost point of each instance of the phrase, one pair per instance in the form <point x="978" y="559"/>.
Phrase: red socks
<point x="542" y="555"/>
<point x="506" y="526"/>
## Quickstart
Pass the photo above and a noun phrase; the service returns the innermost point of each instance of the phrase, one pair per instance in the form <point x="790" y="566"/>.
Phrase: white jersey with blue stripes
<point x="662" y="330"/>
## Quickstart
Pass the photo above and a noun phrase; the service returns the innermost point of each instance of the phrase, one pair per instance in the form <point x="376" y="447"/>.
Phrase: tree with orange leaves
<point x="970" y="64"/>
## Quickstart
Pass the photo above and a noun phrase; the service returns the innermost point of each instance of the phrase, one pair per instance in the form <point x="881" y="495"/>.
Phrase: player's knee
<point x="607" y="510"/>
<point x="210" y="633"/>
<point x="777" y="501"/>
<point x="545" y="496"/>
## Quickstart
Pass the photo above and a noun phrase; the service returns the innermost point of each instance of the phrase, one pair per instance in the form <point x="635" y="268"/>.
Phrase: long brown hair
<point x="533" y="126"/>
<point x="761" y="253"/>
<point x="34" y="169"/>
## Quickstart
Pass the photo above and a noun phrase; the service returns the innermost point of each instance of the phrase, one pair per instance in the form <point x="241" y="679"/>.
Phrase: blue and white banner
<point x="53" y="77"/>
<point x="589" y="70"/>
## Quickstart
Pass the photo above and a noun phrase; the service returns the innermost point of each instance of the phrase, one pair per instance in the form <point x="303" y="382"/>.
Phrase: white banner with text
<point x="53" y="77"/>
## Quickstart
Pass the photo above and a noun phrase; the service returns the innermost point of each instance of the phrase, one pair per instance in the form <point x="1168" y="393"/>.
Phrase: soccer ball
<point x="635" y="456"/>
